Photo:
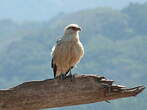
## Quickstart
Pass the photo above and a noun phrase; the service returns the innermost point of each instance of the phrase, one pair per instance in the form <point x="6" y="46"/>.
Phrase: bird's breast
<point x="67" y="54"/>
<point x="72" y="52"/>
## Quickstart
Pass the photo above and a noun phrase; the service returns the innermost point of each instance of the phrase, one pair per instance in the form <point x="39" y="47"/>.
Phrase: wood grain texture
<point x="50" y="93"/>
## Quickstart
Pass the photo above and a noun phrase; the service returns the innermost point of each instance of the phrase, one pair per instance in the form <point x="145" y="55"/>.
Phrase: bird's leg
<point x="62" y="76"/>
<point x="70" y="75"/>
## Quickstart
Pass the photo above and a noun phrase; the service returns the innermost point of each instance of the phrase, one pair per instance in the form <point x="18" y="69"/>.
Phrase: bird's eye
<point x="73" y="28"/>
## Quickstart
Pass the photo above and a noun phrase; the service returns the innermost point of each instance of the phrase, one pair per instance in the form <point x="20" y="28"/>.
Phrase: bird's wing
<point x="54" y="68"/>
<point x="53" y="65"/>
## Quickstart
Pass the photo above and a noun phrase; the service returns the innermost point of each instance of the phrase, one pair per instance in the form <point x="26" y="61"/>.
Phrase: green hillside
<point x="115" y="44"/>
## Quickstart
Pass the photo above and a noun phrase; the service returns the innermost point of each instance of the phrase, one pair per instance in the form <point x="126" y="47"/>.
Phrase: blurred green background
<point x="114" y="36"/>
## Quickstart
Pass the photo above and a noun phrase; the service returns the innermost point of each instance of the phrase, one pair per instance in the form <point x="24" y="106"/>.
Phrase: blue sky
<point x="39" y="10"/>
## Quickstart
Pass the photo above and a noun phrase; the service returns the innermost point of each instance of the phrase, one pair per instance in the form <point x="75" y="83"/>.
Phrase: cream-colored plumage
<point x="68" y="51"/>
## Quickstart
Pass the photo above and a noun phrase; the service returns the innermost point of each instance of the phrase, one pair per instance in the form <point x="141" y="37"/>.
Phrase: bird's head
<point x="72" y="28"/>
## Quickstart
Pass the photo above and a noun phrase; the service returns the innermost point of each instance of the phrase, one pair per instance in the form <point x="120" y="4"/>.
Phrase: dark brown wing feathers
<point x="54" y="68"/>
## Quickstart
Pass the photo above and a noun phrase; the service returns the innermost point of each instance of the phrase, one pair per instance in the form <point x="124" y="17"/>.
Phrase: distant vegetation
<point x="115" y="44"/>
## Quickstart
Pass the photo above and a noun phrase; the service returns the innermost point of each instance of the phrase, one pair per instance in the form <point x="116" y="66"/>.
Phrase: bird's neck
<point x="71" y="37"/>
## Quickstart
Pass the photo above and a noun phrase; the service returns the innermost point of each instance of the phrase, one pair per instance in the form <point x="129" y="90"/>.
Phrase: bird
<point x="67" y="52"/>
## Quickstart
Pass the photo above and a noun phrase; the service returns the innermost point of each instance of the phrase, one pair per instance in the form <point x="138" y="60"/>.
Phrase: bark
<point x="50" y="93"/>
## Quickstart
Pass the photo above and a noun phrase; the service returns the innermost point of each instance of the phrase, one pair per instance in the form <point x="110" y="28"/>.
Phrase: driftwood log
<point x="83" y="89"/>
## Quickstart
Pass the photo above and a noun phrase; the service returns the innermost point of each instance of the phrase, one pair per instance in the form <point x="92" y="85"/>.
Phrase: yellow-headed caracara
<point x="67" y="52"/>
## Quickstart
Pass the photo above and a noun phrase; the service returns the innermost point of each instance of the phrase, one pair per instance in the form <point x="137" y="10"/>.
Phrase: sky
<point x="40" y="10"/>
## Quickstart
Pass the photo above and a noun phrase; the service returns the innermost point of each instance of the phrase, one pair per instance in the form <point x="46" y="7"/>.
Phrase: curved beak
<point x="79" y="29"/>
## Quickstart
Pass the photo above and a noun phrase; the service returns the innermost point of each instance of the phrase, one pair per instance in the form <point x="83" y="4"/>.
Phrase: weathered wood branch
<point x="83" y="89"/>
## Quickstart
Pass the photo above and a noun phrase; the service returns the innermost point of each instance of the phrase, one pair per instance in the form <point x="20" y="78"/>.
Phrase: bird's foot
<point x="62" y="77"/>
<point x="71" y="77"/>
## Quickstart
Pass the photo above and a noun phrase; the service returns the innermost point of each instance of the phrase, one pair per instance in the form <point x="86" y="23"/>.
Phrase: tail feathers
<point x="54" y="68"/>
